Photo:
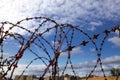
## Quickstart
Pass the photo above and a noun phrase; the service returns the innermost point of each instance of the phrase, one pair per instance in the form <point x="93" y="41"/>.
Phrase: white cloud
<point x="92" y="49"/>
<point x="108" y="63"/>
<point x="14" y="10"/>
<point x="31" y="70"/>
<point x="94" y="25"/>
<point x="81" y="68"/>
<point x="5" y="55"/>
<point x="114" y="59"/>
<point x="62" y="10"/>
<point x="75" y="51"/>
<point x="115" y="40"/>
<point x="91" y="28"/>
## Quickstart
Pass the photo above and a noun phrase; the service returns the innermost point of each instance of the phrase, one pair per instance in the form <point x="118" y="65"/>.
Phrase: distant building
<point x="26" y="77"/>
<point x="61" y="77"/>
<point x="74" y="78"/>
<point x="65" y="77"/>
<point x="49" y="78"/>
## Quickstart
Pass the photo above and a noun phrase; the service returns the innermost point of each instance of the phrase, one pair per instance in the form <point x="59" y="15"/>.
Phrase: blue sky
<point x="92" y="16"/>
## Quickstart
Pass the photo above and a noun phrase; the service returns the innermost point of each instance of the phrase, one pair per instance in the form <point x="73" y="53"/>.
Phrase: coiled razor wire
<point x="62" y="36"/>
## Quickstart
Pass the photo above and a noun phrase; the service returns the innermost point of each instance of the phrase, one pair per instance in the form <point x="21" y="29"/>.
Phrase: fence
<point x="62" y="41"/>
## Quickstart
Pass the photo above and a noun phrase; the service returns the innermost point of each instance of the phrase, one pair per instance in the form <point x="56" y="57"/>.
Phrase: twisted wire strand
<point x="64" y="34"/>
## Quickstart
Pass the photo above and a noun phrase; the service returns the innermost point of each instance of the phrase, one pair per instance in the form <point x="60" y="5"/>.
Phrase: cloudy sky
<point x="92" y="16"/>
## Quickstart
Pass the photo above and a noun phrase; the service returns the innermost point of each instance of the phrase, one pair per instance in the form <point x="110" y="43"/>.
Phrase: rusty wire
<point x="63" y="35"/>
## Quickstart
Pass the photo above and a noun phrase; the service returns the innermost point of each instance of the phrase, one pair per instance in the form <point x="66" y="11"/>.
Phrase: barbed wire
<point x="63" y="36"/>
